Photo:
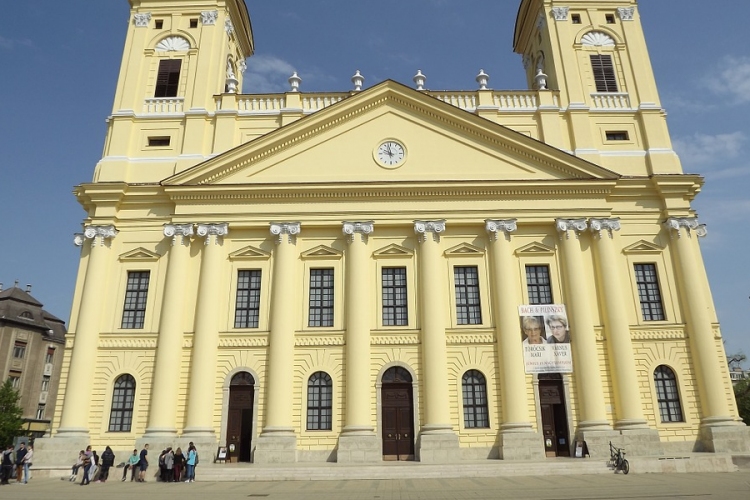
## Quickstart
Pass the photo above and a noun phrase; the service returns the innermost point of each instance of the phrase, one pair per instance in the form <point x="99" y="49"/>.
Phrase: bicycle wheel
<point x="625" y="467"/>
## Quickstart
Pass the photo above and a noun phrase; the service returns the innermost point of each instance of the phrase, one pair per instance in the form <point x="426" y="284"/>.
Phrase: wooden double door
<point x="554" y="418"/>
<point x="240" y="418"/>
<point x="398" y="421"/>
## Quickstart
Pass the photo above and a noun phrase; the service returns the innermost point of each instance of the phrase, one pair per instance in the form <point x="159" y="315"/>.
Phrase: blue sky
<point x="60" y="61"/>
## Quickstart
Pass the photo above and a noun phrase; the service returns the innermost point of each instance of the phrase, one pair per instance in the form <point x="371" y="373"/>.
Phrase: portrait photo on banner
<point x="546" y="337"/>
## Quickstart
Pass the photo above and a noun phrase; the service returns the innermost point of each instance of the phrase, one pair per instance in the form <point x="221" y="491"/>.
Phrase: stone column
<point x="437" y="442"/>
<point x="202" y="387"/>
<point x="593" y="426"/>
<point x="629" y="417"/>
<point x="74" y="421"/>
<point x="358" y="441"/>
<point x="719" y="430"/>
<point x="277" y="442"/>
<point x="163" y="404"/>
<point x="518" y="441"/>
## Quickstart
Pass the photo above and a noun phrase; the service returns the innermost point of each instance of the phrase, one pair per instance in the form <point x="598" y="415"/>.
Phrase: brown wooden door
<point x="398" y="422"/>
<point x="240" y="418"/>
<point x="554" y="418"/>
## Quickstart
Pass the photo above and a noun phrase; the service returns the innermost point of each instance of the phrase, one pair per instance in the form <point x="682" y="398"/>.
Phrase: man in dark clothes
<point x="108" y="460"/>
<point x="20" y="454"/>
<point x="7" y="463"/>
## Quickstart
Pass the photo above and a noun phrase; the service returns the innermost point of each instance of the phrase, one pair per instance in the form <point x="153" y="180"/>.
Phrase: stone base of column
<point x="359" y="446"/>
<point x="514" y="445"/>
<point x="437" y="446"/>
<point x="276" y="447"/>
<point x="640" y="442"/>
<point x="597" y="441"/>
<point x="734" y="438"/>
<point x="53" y="452"/>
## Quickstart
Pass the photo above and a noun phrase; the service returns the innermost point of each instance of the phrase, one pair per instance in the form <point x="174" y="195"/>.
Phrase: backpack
<point x="196" y="458"/>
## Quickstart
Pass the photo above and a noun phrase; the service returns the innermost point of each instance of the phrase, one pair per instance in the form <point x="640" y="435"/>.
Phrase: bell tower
<point x="178" y="57"/>
<point x="594" y="53"/>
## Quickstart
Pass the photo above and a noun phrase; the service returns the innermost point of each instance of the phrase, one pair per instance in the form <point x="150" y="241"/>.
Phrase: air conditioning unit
<point x="43" y="398"/>
<point x="48" y="370"/>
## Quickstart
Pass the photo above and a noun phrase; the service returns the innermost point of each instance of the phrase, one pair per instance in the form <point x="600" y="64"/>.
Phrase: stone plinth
<point x="275" y="449"/>
<point x="437" y="448"/>
<point x="359" y="448"/>
<point x="521" y="446"/>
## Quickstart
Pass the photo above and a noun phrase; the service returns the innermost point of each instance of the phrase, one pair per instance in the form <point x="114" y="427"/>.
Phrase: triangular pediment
<point x="464" y="250"/>
<point x="139" y="255"/>
<point x="535" y="249"/>
<point x="393" y="251"/>
<point x="338" y="144"/>
<point x="322" y="252"/>
<point x="249" y="253"/>
<point x="643" y="247"/>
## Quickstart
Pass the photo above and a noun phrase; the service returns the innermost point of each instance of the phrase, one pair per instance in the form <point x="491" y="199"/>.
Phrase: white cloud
<point x="731" y="79"/>
<point x="266" y="74"/>
<point x="703" y="150"/>
<point x="8" y="43"/>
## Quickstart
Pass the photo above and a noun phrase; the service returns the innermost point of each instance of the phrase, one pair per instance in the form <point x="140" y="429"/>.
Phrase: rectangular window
<point x="538" y="285"/>
<point x="247" y="307"/>
<point x="604" y="73"/>
<point x="15" y="380"/>
<point x="395" y="311"/>
<point x="468" y="307"/>
<point x="159" y="24"/>
<point x="159" y="141"/>
<point x="40" y="412"/>
<point x="648" y="292"/>
<point x="321" y="297"/>
<point x="193" y="23"/>
<point x="168" y="78"/>
<point x="19" y="350"/>
<point x="50" y="355"/>
<point x="45" y="384"/>
<point x="136" y="293"/>
<point x="617" y="136"/>
<point x="576" y="18"/>
<point x="610" y="18"/>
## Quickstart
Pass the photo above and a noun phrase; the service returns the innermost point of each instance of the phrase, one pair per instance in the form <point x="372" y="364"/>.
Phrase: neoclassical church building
<point x="392" y="273"/>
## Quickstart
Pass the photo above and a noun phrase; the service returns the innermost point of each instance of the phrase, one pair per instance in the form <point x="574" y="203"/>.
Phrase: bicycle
<point x="617" y="459"/>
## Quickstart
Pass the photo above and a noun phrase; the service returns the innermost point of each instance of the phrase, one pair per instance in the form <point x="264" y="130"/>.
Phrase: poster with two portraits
<point x="546" y="339"/>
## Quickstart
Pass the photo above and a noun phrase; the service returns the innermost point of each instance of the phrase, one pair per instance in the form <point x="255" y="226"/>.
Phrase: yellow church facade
<point x="392" y="273"/>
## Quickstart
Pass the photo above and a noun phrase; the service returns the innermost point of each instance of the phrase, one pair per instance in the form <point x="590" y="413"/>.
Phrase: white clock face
<point x="390" y="153"/>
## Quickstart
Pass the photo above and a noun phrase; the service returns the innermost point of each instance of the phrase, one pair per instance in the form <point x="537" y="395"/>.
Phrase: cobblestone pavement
<point x="614" y="487"/>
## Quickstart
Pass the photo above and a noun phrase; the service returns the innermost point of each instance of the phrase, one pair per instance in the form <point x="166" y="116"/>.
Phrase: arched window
<point x="123" y="400"/>
<point x="319" y="402"/>
<point x="26" y="315"/>
<point x="474" y="388"/>
<point x="667" y="394"/>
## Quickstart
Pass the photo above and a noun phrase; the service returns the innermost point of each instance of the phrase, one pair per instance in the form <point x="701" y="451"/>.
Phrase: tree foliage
<point x="11" y="423"/>
<point x="742" y="395"/>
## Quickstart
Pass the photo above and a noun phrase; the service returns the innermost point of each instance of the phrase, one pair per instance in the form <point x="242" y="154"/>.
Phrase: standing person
<point x="162" y="466"/>
<point x="7" y="464"/>
<point x="179" y="463"/>
<point x="143" y="464"/>
<point x="132" y="464"/>
<point x="168" y="465"/>
<point x="76" y="466"/>
<point x="94" y="465"/>
<point x="88" y="462"/>
<point x="27" y="463"/>
<point x="108" y="460"/>
<point x="192" y="459"/>
<point x="20" y="454"/>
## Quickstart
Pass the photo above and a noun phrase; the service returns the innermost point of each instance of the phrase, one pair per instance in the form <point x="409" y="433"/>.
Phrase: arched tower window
<point x="319" y="402"/>
<point x="667" y="394"/>
<point x="474" y="387"/>
<point x="123" y="401"/>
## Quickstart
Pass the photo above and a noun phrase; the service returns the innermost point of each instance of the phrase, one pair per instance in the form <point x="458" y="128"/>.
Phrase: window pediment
<point x="173" y="44"/>
<point x="322" y="252"/>
<point x="392" y="251"/>
<point x="139" y="255"/>
<point x="535" y="249"/>
<point x="464" y="250"/>
<point x="597" y="39"/>
<point x="249" y="253"/>
<point x="642" y="247"/>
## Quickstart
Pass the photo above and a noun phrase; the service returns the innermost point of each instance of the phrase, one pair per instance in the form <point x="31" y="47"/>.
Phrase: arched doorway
<point x="554" y="415"/>
<point x="240" y="418"/>
<point x="397" y="401"/>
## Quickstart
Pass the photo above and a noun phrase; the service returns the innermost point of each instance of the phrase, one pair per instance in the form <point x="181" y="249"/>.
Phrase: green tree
<point x="742" y="395"/>
<point x="11" y="423"/>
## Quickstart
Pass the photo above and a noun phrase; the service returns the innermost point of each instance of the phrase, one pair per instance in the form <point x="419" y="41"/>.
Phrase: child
<point x="76" y="466"/>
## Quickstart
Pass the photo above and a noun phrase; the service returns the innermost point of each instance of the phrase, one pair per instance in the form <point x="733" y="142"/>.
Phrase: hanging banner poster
<point x="546" y="339"/>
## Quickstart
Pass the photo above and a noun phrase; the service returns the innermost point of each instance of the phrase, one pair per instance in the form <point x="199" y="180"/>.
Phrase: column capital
<point x="175" y="230"/>
<point x="213" y="229"/>
<point x="689" y="223"/>
<point x="292" y="229"/>
<point x="600" y="225"/>
<point x="422" y="227"/>
<point x="496" y="226"/>
<point x="565" y="225"/>
<point x="94" y="232"/>
<point x="363" y="228"/>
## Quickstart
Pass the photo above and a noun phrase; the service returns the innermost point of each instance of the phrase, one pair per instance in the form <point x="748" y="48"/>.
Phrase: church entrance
<point x="554" y="417"/>
<point x="398" y="415"/>
<point x="240" y="418"/>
